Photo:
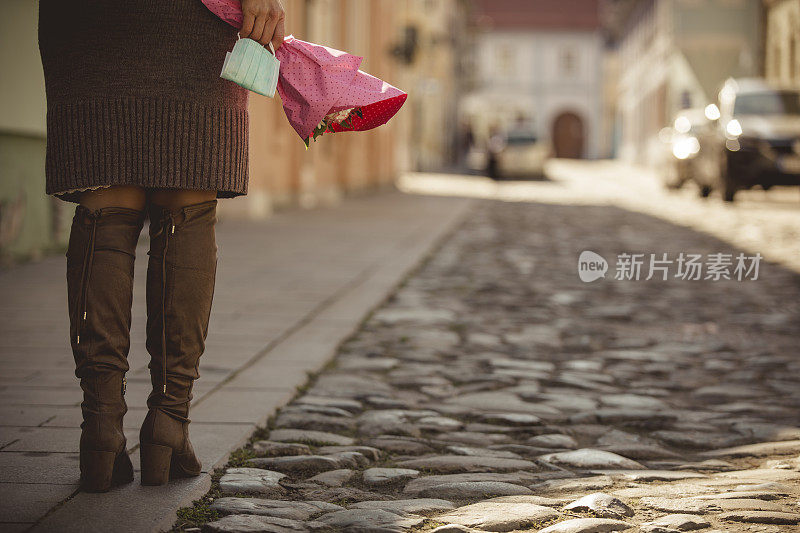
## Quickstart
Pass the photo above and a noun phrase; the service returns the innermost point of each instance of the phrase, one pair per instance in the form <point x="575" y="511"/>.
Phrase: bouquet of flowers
<point x="322" y="89"/>
<point x="341" y="119"/>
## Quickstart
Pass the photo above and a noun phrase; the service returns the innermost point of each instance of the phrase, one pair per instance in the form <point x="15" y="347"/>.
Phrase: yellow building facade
<point x="782" y="46"/>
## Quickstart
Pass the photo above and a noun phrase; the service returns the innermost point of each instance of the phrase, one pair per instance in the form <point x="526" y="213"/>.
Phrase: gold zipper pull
<point x="84" y="315"/>
<point x="173" y="229"/>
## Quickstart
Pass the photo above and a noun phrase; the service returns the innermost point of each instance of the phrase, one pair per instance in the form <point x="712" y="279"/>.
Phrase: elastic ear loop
<point x="271" y="48"/>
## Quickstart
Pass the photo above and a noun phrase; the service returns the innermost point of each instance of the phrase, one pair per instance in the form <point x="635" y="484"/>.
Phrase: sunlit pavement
<point x="497" y="391"/>
<point x="758" y="221"/>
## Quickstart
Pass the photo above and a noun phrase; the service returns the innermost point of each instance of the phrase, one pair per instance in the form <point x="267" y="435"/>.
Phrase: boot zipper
<point x="163" y="302"/>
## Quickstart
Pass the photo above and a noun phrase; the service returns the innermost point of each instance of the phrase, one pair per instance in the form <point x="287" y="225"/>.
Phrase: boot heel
<point x="97" y="470"/>
<point x="155" y="464"/>
<point x="123" y="469"/>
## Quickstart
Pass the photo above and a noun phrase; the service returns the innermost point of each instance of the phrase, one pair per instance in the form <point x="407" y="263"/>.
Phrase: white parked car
<point x="523" y="156"/>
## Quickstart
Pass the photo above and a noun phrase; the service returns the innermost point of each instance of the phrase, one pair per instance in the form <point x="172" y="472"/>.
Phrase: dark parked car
<point x="756" y="141"/>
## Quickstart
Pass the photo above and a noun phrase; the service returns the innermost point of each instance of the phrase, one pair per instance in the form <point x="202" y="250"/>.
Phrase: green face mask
<point x="251" y="66"/>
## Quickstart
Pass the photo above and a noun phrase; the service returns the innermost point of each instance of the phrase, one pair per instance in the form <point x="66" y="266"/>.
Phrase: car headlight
<point x="733" y="128"/>
<point x="685" y="147"/>
<point x="682" y="124"/>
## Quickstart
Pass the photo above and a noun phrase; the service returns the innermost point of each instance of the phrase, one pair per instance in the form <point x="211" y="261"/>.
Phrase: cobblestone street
<point x="400" y="266"/>
<point x="495" y="391"/>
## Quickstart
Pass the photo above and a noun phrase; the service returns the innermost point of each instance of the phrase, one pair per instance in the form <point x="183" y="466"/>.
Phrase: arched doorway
<point x="568" y="136"/>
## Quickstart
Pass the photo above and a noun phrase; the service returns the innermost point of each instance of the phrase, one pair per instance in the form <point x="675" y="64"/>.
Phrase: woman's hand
<point x="263" y="21"/>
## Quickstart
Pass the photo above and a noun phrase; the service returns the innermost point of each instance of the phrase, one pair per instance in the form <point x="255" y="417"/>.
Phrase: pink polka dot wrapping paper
<point x="316" y="80"/>
<point x="228" y="10"/>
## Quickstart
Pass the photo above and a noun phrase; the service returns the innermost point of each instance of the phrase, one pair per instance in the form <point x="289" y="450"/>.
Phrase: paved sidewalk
<point x="289" y="290"/>
<point x="495" y="391"/>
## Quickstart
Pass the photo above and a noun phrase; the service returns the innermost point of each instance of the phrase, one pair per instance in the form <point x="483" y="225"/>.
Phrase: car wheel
<point x="729" y="191"/>
<point x="729" y="187"/>
<point x="705" y="191"/>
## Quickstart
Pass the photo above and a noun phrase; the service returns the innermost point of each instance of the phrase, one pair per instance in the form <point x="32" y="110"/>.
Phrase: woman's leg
<point x="100" y="258"/>
<point x="128" y="196"/>
<point x="177" y="198"/>
<point x="180" y="287"/>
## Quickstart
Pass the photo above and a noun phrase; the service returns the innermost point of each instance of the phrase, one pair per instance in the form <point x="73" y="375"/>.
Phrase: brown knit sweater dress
<point x="134" y="97"/>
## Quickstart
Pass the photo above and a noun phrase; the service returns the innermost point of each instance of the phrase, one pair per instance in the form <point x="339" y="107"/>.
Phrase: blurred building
<point x="30" y="222"/>
<point x="412" y="44"/>
<point x="436" y="51"/>
<point x="540" y="63"/>
<point x="675" y="54"/>
<point x="782" y="42"/>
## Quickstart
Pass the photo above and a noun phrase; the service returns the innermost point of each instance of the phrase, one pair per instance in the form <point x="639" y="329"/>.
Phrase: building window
<point x="568" y="62"/>
<point x="505" y="60"/>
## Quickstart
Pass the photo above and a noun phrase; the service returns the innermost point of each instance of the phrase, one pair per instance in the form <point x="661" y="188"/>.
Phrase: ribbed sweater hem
<point x="150" y="142"/>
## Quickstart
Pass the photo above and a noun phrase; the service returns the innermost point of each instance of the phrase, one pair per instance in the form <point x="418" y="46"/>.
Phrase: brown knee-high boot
<point x="100" y="258"/>
<point x="180" y="287"/>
